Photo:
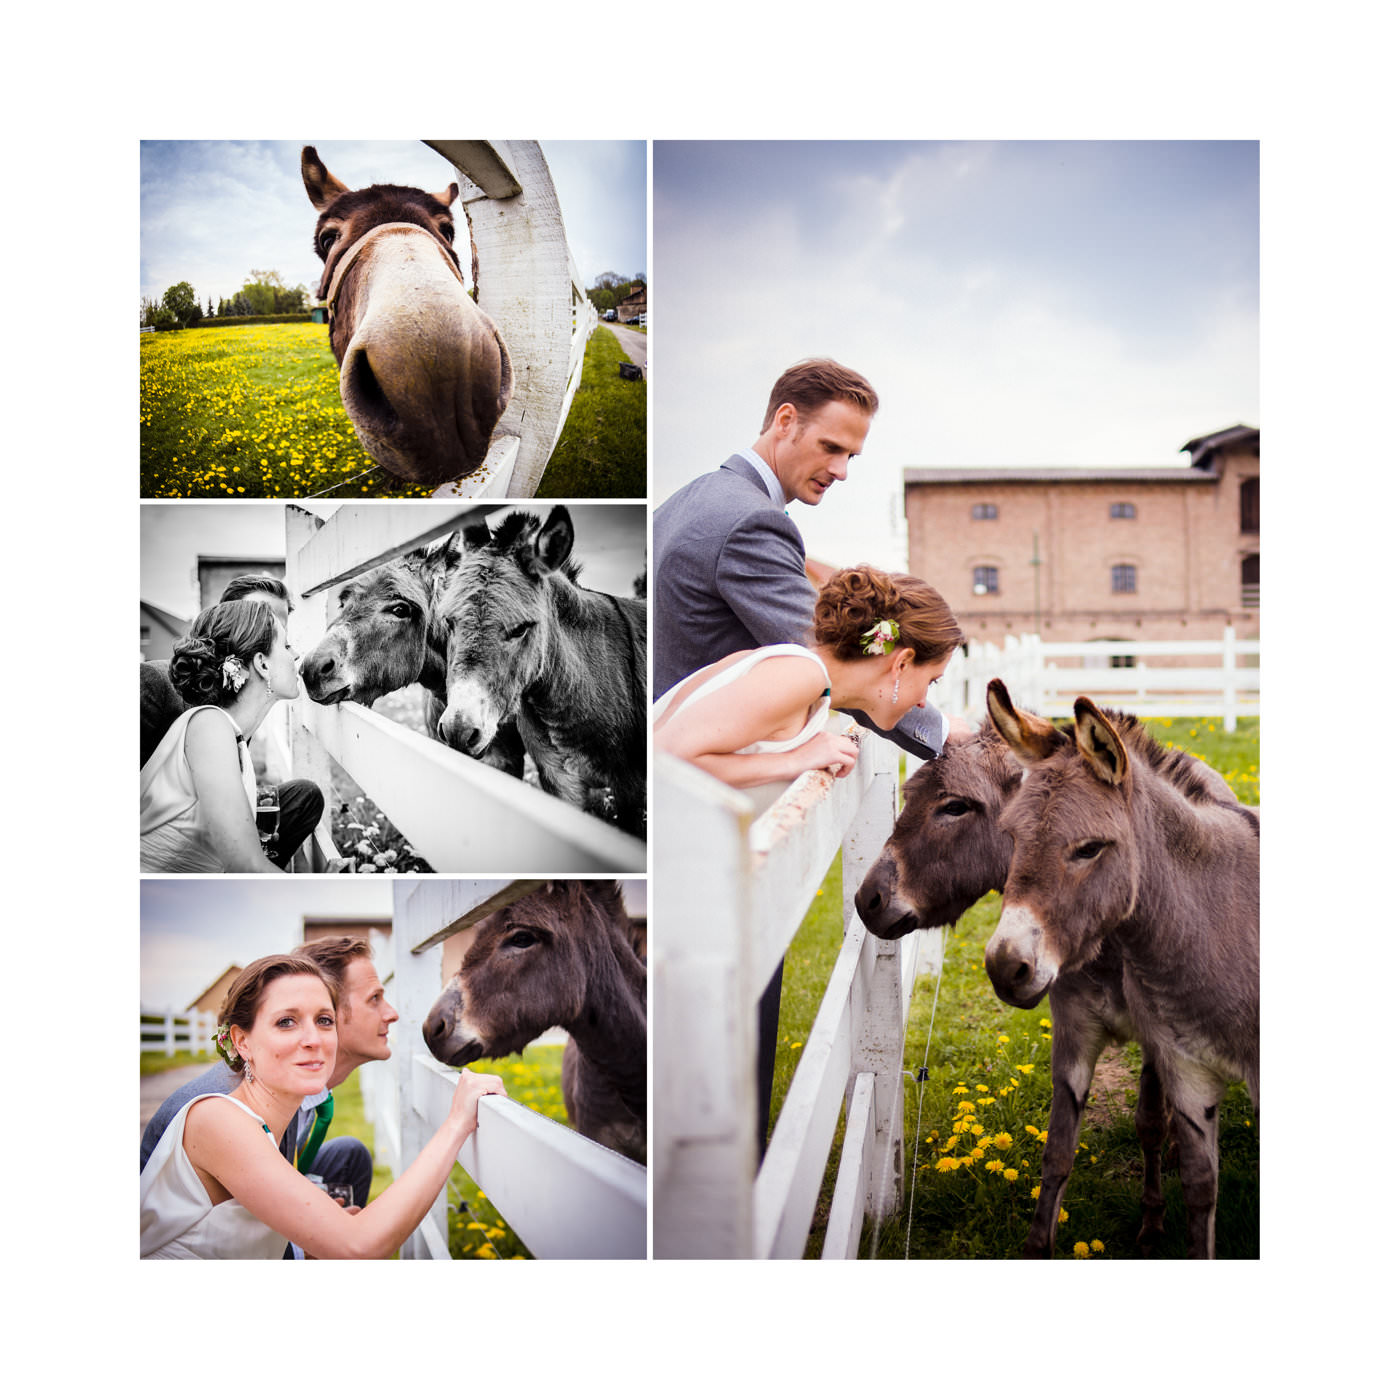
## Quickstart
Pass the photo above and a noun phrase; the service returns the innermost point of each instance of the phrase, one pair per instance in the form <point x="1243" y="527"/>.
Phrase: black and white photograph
<point x="393" y="689"/>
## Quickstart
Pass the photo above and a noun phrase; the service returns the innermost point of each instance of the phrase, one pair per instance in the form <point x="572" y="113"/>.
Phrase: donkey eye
<point x="522" y="938"/>
<point x="1087" y="850"/>
<point x="447" y="231"/>
<point x="400" y="610"/>
<point x="954" y="807"/>
<point x="516" y="633"/>
<point x="326" y="241"/>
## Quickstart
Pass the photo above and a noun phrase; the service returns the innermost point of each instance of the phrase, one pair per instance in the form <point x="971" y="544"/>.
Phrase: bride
<point x="217" y="1187"/>
<point x="758" y="717"/>
<point x="198" y="791"/>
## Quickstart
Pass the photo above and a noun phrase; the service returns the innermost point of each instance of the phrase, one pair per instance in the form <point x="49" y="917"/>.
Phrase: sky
<point x="188" y="939"/>
<point x="609" y="540"/>
<point x="211" y="211"/>
<point x="1081" y="303"/>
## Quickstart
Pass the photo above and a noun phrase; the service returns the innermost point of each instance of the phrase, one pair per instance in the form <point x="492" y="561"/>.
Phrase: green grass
<point x="243" y="412"/>
<point x="997" y="1060"/>
<point x="603" y="448"/>
<point x="153" y="1061"/>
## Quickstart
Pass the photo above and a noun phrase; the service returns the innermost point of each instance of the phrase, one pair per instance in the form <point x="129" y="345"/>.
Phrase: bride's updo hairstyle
<point x="249" y="990"/>
<point x="855" y="600"/>
<point x="239" y="630"/>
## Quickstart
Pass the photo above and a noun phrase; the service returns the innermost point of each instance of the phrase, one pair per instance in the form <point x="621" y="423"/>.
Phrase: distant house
<point x="377" y="931"/>
<point x="1095" y="554"/>
<point x="215" y="573"/>
<point x="160" y="631"/>
<point x="212" y="997"/>
<point x="634" y="303"/>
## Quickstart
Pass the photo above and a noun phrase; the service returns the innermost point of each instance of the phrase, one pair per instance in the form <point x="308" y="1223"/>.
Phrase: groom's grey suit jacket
<point x="728" y="573"/>
<point x="729" y="576"/>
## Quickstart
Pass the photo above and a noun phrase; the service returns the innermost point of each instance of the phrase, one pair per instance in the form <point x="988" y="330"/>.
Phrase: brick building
<point x="1095" y="554"/>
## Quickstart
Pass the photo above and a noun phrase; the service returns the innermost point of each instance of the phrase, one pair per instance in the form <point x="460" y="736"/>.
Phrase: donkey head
<point x="1074" y="866"/>
<point x="383" y="636"/>
<point x="947" y="848"/>
<point x="526" y="968"/>
<point x="500" y="613"/>
<point x="424" y="374"/>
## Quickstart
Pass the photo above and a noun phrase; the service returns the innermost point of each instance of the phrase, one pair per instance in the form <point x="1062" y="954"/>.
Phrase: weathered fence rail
<point x="731" y="893"/>
<point x="1042" y="677"/>
<point x="528" y="284"/>
<point x="564" y="1196"/>
<point x="171" y="1031"/>
<point x="461" y="815"/>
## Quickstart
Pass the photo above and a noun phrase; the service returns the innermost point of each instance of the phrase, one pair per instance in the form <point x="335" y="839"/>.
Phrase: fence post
<point x="878" y="1046"/>
<point x="704" y="1089"/>
<point x="1229" y="679"/>
<point x="525" y="286"/>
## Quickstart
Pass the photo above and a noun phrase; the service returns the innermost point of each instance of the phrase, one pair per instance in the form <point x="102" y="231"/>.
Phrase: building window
<point x="1125" y="578"/>
<point x="984" y="580"/>
<point x="984" y="511"/>
<point x="1249" y="506"/>
<point x="1249" y="581"/>
<point x="1122" y="510"/>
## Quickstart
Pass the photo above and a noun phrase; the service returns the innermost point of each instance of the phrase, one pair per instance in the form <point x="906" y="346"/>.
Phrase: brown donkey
<point x="424" y="373"/>
<point x="563" y="955"/>
<point x="947" y="850"/>
<point x="1119" y="843"/>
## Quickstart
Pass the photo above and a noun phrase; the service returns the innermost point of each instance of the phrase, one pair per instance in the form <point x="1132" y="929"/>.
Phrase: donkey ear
<point x="1098" y="742"/>
<point x="323" y="188"/>
<point x="553" y="543"/>
<point x="448" y="196"/>
<point x="1029" y="737"/>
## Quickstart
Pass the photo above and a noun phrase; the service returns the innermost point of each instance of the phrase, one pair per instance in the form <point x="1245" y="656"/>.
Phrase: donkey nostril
<point x="1021" y="973"/>
<point x="367" y="395"/>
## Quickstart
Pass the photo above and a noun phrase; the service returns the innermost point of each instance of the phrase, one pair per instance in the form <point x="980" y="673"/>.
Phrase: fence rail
<point x="460" y="814"/>
<point x="528" y="284"/>
<point x="564" y="1196"/>
<point x="172" y="1031"/>
<point x="1039" y="680"/>
<point x="736" y="890"/>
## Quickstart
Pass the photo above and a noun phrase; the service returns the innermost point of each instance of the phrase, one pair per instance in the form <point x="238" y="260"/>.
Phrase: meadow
<point x="978" y="1088"/>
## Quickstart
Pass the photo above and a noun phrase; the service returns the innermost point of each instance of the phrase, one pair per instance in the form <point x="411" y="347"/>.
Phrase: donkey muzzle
<point x="1018" y="963"/>
<point x="879" y="905"/>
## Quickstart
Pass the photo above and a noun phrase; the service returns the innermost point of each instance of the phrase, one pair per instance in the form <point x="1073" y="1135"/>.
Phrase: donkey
<point x="1118" y="842"/>
<point x="560" y="956"/>
<point x="387" y="634"/>
<point x="526" y="642"/>
<point x="424" y="373"/>
<point x="947" y="850"/>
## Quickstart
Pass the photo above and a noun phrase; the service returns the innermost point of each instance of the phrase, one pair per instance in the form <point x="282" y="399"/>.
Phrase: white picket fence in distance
<point x="529" y="286"/>
<point x="564" y="1196"/>
<point x="733" y="892"/>
<point x="1043" y="677"/>
<point x="173" y="1031"/>
<point x="461" y="815"/>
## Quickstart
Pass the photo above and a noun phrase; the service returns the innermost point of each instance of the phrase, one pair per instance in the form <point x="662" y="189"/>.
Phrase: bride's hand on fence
<point x="471" y="1088"/>
<point x="837" y="753"/>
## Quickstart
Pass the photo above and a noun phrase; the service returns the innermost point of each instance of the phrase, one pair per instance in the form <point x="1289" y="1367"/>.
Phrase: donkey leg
<point x="1074" y="1052"/>
<point x="1151" y="1120"/>
<point x="1195" y="1112"/>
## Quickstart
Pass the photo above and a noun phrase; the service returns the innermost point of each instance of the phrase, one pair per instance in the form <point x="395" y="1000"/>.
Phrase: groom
<point x="730" y="570"/>
<point x="362" y="1021"/>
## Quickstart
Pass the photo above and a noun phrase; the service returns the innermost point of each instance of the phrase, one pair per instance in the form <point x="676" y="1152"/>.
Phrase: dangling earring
<point x="894" y="699"/>
<point x="248" y="1072"/>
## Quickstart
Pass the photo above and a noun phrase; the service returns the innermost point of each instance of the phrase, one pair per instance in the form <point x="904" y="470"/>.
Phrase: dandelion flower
<point x="1010" y="1174"/>
<point x="1096" y="1246"/>
<point x="1002" y="1141"/>
<point x="995" y="1165"/>
<point x="1064" y="1215"/>
<point x="1081" y="1250"/>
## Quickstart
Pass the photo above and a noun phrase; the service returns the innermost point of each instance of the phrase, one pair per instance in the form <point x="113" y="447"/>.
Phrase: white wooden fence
<point x="172" y="1030"/>
<point x="528" y="284"/>
<point x="730" y="893"/>
<point x="1043" y="677"/>
<point x="563" y="1195"/>
<point x="462" y="816"/>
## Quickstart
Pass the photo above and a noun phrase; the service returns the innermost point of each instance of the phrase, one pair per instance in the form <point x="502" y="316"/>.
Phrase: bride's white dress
<point x="173" y="834"/>
<point x="763" y="795"/>
<point x="178" y="1220"/>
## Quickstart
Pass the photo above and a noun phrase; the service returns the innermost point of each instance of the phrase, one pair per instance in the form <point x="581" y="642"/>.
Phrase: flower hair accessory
<point x="235" y="673"/>
<point x="880" y="639"/>
<point x="223" y="1042"/>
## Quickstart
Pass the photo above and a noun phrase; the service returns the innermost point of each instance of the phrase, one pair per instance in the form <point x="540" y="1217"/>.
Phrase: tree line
<point x="263" y="294"/>
<point x="609" y="289"/>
